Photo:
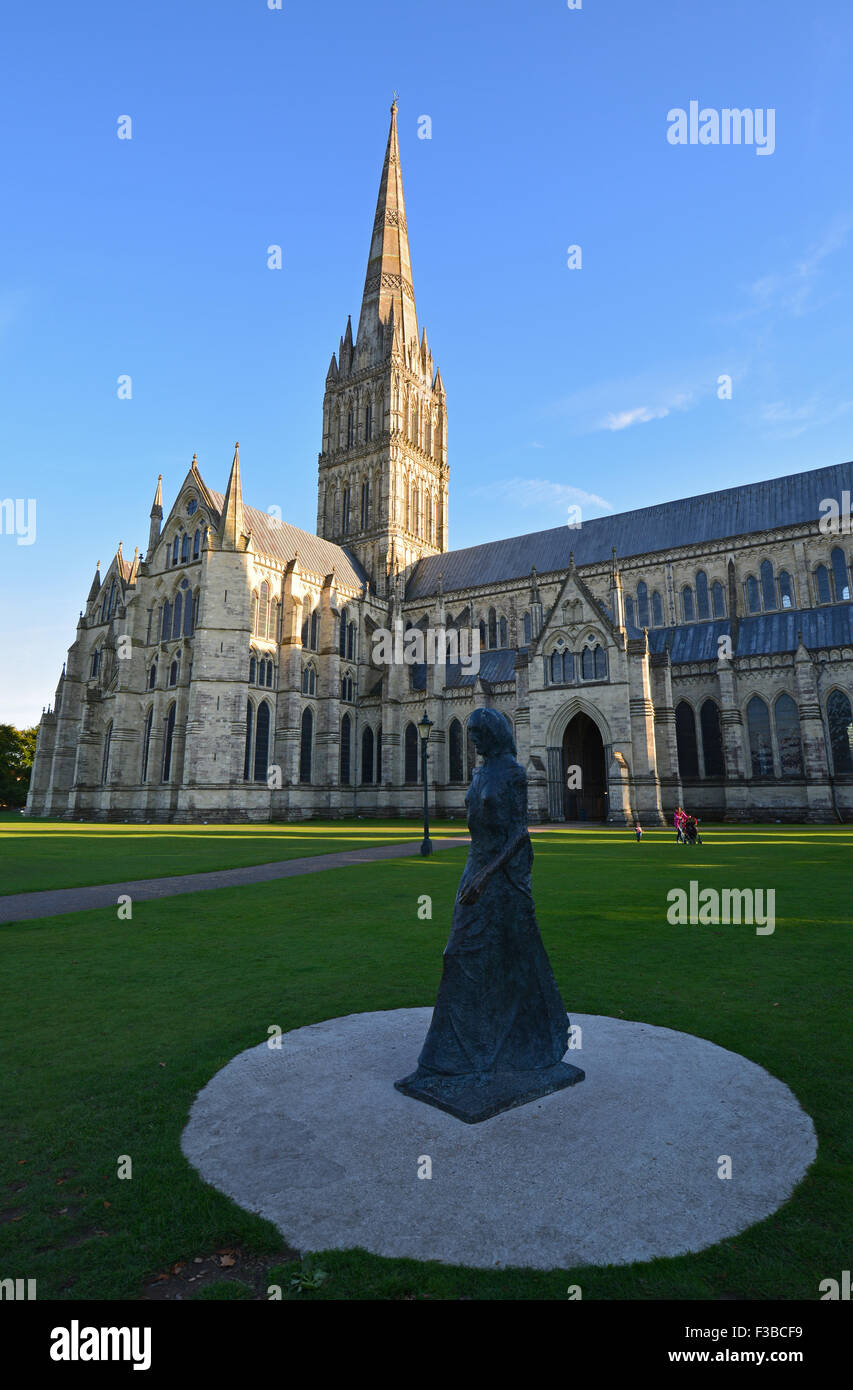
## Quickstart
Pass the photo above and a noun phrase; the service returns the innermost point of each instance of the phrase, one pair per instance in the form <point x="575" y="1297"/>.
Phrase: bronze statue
<point x="499" y="1030"/>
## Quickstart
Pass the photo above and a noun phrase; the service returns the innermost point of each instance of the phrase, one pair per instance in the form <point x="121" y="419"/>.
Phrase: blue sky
<point x="253" y="127"/>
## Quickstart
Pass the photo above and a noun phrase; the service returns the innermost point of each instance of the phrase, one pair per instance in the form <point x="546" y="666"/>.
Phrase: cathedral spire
<point x="231" y="525"/>
<point x="156" y="519"/>
<point x="389" y="268"/>
<point x="96" y="583"/>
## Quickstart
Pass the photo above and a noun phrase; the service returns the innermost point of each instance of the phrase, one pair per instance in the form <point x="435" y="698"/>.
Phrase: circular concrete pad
<point x="622" y="1167"/>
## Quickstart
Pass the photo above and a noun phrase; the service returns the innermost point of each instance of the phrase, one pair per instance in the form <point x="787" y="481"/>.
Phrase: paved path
<point x="20" y="907"/>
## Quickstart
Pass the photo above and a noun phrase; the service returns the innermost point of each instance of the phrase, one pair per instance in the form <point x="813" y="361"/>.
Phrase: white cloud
<point x="791" y="291"/>
<point x="537" y="492"/>
<point x="643" y="413"/>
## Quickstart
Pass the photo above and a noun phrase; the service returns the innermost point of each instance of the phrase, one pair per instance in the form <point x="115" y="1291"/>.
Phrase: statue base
<point x="473" y="1098"/>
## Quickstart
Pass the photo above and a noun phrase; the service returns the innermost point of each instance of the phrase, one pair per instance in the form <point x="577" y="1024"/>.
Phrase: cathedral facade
<point x="697" y="653"/>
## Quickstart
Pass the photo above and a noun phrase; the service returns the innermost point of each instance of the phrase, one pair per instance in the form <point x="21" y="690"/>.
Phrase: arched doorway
<point x="584" y="771"/>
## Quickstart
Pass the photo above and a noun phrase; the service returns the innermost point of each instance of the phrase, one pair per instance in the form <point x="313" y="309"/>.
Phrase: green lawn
<point x="39" y="854"/>
<point x="110" y="1028"/>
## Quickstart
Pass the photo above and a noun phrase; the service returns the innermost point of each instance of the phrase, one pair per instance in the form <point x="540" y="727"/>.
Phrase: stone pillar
<point x="642" y="713"/>
<point x="815" y="760"/>
<point x="731" y="726"/>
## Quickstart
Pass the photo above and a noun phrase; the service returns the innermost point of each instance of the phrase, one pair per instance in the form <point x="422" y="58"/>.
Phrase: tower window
<point x="350" y="429"/>
<point x="365" y="505"/>
<point x="368" y="422"/>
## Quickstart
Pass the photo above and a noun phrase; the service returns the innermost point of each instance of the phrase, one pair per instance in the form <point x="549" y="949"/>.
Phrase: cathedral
<point x="697" y="653"/>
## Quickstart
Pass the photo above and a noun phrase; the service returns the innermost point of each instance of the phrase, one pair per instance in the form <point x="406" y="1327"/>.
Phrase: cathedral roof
<point x="280" y="541"/>
<point x="711" y="516"/>
<point x="759" y="634"/>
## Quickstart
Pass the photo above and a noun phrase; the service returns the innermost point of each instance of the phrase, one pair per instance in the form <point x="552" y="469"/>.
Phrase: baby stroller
<point x="691" y="832"/>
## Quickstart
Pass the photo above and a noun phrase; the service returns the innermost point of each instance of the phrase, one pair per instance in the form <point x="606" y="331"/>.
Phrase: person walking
<point x="638" y="831"/>
<point x="679" y="825"/>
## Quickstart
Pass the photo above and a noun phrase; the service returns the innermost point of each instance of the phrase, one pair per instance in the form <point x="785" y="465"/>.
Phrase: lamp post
<point x="424" y="726"/>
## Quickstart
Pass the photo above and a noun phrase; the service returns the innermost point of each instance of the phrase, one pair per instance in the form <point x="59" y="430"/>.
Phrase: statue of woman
<point x="498" y="1011"/>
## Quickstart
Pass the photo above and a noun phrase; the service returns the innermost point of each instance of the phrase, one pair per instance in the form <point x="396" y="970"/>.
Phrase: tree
<point x="17" y="750"/>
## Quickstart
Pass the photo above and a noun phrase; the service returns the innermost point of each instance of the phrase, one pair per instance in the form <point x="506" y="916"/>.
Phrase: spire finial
<point x="394" y="104"/>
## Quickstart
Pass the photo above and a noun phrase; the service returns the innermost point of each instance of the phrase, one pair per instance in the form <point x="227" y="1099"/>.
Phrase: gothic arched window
<point x="753" y="596"/>
<point x="264" y="610"/>
<point x="703" y="609"/>
<point x="347" y="688"/>
<point x="196" y="545"/>
<point x="587" y="664"/>
<point x="173" y="672"/>
<point x="247" y="756"/>
<point x="368" y="422"/>
<point x="503" y="633"/>
<point x="568" y="668"/>
<point x="345" y="510"/>
<point x="306" y="745"/>
<point x="719" y="599"/>
<point x="760" y="739"/>
<point x="342" y="634"/>
<point x="556" y="673"/>
<point x="167" y="743"/>
<point x="185" y="548"/>
<point x="840" y="720"/>
<point x="146" y="743"/>
<point x="411" y="753"/>
<point x="482" y="635"/>
<point x="786" y="589"/>
<point x="178" y="614"/>
<point x="105" y="765"/>
<point x="350" y="429"/>
<point x="309" y="680"/>
<point x="768" y="586"/>
<point x="685" y="739"/>
<point x="643" y="604"/>
<point x="262" y="742"/>
<point x="657" y="609"/>
<point x="346" y="745"/>
<point x="687" y="604"/>
<point x="824" y="594"/>
<point x="166" y="621"/>
<point x="365" y="505"/>
<point x="788" y="738"/>
<point x="840" y="577"/>
<point x="712" y="739"/>
<point x="455" y="748"/>
<point x="315" y="630"/>
<point x="600" y="660"/>
<point x="367" y="755"/>
<point x="528" y="630"/>
<point x="629" y="611"/>
<point x="152" y="676"/>
<point x="175" y="545"/>
<point x="252" y="670"/>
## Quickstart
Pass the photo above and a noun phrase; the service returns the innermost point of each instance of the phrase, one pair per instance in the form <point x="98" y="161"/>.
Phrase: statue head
<point x="491" y="732"/>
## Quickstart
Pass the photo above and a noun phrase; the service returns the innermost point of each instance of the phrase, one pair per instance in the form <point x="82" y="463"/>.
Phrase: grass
<point x="41" y="854"/>
<point x="110" y="1028"/>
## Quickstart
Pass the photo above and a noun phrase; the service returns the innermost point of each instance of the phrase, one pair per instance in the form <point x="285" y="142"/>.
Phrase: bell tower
<point x="382" y="477"/>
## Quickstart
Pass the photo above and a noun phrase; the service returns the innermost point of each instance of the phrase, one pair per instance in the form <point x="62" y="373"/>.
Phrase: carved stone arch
<point x="562" y="717"/>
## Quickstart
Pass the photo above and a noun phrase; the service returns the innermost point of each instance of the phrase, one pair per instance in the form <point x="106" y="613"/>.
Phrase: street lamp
<point x="424" y="726"/>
